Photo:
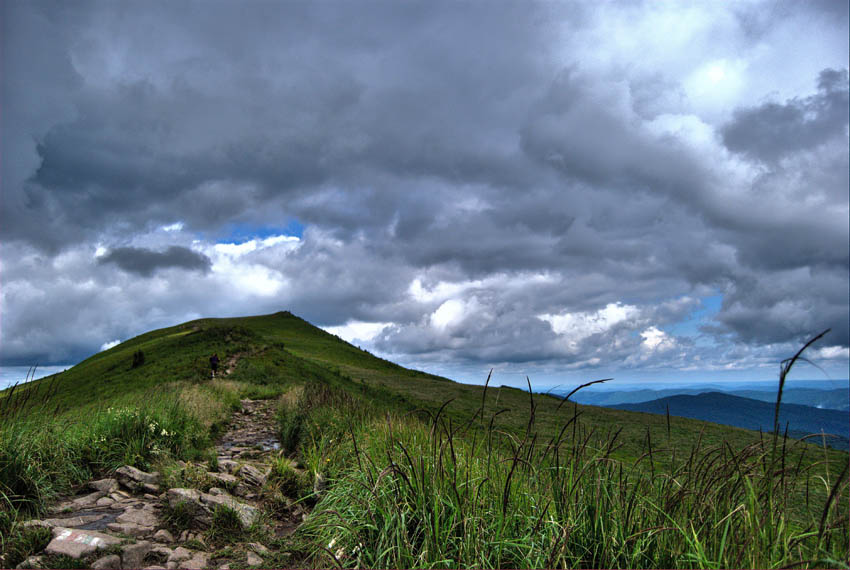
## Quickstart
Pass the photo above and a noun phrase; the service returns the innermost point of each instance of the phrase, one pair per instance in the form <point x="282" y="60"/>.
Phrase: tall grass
<point x="426" y="491"/>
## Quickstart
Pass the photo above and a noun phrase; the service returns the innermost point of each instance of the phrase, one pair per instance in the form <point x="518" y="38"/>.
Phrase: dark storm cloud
<point x="537" y="159"/>
<point x="145" y="262"/>
<point x="773" y="130"/>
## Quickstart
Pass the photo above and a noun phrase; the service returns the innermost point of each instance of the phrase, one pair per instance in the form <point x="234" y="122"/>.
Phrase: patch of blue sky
<point x="242" y="232"/>
<point x="690" y="326"/>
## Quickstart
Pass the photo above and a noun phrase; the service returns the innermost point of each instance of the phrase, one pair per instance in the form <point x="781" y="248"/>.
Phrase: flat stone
<point x="36" y="524"/>
<point x="104" y="485"/>
<point x="225" y="479"/>
<point x="130" y="529"/>
<point x="150" y="488"/>
<point x="104" y="502"/>
<point x="133" y="555"/>
<point x="82" y="502"/>
<point x="73" y="522"/>
<point x="216" y="491"/>
<point x="155" y="568"/>
<point x="227" y="466"/>
<point x="253" y="559"/>
<point x="163" y="535"/>
<point x="142" y="517"/>
<point x="111" y="562"/>
<point x="77" y="543"/>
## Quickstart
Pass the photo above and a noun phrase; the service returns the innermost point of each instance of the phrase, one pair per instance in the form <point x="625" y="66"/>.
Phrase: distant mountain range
<point x="749" y="413"/>
<point x="832" y="399"/>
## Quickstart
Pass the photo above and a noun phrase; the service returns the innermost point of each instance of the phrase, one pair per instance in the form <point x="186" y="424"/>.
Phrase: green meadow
<point x="422" y="471"/>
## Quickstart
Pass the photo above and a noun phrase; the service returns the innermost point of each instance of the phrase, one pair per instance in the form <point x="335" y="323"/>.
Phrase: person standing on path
<point x="214" y="363"/>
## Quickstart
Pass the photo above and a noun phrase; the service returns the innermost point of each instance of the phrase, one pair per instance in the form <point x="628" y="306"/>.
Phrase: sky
<point x="651" y="191"/>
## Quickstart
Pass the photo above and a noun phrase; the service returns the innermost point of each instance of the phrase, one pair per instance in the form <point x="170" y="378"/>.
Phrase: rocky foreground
<point x="134" y="520"/>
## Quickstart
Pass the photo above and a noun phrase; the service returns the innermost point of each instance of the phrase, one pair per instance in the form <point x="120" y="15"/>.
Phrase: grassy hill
<point x="424" y="471"/>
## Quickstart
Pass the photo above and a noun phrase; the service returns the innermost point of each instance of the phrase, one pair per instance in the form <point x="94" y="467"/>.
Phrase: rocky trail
<point x="141" y="520"/>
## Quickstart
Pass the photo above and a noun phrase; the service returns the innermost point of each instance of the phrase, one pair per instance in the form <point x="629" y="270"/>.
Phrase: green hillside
<point x="428" y="472"/>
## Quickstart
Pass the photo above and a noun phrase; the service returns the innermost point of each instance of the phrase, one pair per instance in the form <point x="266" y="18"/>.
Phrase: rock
<point x="226" y="479"/>
<point x="155" y="568"/>
<point x="73" y="522"/>
<point x="104" y="485"/>
<point x="133" y="555"/>
<point x="81" y="502"/>
<point x="32" y="562"/>
<point x="139" y="516"/>
<point x="254" y="560"/>
<point x="104" y="502"/>
<point x="252" y="475"/>
<point x="150" y="488"/>
<point x="202" y="505"/>
<point x="77" y="543"/>
<point x="149" y="497"/>
<point x="36" y="523"/>
<point x="224" y="567"/>
<point x="111" y="562"/>
<point x="227" y="466"/>
<point x="163" y="535"/>
<point x="135" y="479"/>
<point x="184" y="536"/>
<point x="197" y="562"/>
<point x="242" y="490"/>
<point x="180" y="554"/>
<point x="257" y="547"/>
<point x="130" y="529"/>
<point x="216" y="491"/>
<point x="247" y="513"/>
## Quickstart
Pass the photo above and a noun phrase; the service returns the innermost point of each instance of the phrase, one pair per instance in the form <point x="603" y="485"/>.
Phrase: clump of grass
<point x="226" y="527"/>
<point x="284" y="478"/>
<point x="181" y="516"/>
<point x="16" y="544"/>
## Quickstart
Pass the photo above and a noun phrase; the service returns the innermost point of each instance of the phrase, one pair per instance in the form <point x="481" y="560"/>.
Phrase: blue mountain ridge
<point x="751" y="414"/>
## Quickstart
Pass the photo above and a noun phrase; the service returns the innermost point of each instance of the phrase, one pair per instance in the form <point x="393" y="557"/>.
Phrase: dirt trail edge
<point x="134" y="520"/>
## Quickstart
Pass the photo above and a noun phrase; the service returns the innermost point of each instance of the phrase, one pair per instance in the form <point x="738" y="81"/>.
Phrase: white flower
<point x="331" y="543"/>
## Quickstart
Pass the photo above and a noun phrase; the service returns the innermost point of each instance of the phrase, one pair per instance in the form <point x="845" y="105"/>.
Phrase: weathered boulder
<point x="253" y="559"/>
<point x="164" y="536"/>
<point x="252" y="475"/>
<point x="135" y="480"/>
<point x="77" y="543"/>
<point x="104" y="485"/>
<point x="247" y="513"/>
<point x="133" y="555"/>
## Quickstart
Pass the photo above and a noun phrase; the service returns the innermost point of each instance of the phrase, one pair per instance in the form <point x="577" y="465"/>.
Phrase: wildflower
<point x="331" y="543"/>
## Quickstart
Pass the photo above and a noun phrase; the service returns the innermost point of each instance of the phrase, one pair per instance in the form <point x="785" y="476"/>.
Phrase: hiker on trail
<point x="214" y="364"/>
